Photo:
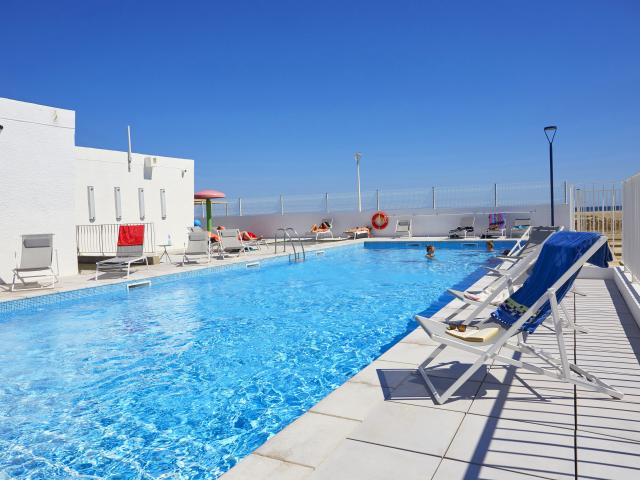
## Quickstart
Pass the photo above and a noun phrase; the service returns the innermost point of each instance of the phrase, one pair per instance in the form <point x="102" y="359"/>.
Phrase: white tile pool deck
<point x="382" y="423"/>
<point x="504" y="424"/>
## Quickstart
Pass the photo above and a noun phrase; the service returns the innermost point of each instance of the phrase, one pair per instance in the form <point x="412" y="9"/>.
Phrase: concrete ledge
<point x="630" y="291"/>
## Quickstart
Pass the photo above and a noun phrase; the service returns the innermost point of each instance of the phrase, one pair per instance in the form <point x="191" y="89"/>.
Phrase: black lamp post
<point x="550" y="133"/>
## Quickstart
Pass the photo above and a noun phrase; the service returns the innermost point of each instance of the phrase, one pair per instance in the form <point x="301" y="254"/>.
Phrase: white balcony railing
<point x="631" y="225"/>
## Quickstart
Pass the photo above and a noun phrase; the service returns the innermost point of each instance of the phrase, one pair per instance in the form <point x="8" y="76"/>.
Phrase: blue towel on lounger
<point x="558" y="254"/>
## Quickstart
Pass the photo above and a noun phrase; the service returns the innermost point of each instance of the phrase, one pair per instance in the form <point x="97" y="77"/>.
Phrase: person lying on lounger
<point x="323" y="227"/>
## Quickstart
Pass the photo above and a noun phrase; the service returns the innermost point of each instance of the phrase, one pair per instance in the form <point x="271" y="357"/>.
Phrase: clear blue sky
<point x="275" y="96"/>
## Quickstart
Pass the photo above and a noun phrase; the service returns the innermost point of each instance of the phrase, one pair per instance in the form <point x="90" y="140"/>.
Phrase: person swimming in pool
<point x="431" y="252"/>
<point x="490" y="246"/>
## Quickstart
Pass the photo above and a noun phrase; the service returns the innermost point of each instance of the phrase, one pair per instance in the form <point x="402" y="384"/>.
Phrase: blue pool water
<point x="182" y="379"/>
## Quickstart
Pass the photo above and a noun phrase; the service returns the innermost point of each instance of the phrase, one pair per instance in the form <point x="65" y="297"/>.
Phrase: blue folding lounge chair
<point x="559" y="263"/>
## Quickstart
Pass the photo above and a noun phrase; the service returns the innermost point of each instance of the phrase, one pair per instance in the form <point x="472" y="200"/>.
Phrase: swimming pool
<point x="182" y="379"/>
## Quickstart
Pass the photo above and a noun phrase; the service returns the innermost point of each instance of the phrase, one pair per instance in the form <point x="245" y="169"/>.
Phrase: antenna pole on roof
<point x="129" y="150"/>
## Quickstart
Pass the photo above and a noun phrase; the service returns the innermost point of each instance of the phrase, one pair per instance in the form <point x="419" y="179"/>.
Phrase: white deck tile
<point x="409" y="427"/>
<point x="355" y="460"/>
<point x="513" y="445"/>
<point x="255" y="466"/>
<point x="456" y="470"/>
<point x="604" y="457"/>
<point x="353" y="400"/>
<point x="413" y="391"/>
<point x="308" y="440"/>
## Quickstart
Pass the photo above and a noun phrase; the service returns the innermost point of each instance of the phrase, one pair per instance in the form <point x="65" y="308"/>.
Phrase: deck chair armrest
<point x="511" y="258"/>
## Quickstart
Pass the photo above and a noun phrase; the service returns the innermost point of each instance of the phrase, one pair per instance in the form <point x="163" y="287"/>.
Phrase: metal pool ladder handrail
<point x="289" y="233"/>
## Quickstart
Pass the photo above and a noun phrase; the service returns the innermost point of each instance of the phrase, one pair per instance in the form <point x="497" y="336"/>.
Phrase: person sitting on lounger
<point x="431" y="252"/>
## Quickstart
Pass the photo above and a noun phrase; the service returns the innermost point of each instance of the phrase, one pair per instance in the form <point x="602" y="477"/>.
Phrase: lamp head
<point x="357" y="156"/>
<point x="550" y="132"/>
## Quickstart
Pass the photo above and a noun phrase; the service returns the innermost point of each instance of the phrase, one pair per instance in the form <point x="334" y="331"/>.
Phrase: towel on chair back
<point x="496" y="220"/>
<point x="558" y="254"/>
<point x="130" y="235"/>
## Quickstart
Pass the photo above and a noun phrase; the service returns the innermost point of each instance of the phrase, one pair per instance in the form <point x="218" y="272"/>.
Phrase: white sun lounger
<point x="126" y="255"/>
<point x="485" y="338"/>
<point x="403" y="227"/>
<point x="324" y="232"/>
<point x="197" y="246"/>
<point x="36" y="262"/>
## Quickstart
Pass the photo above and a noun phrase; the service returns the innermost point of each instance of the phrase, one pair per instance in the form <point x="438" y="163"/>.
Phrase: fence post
<point x="566" y="198"/>
<point x="495" y="194"/>
<point x="240" y="205"/>
<point x="281" y="204"/>
<point x="377" y="199"/>
<point x="326" y="202"/>
<point x="226" y="209"/>
<point x="433" y="197"/>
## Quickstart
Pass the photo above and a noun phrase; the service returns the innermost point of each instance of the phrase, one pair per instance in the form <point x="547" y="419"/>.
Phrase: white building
<point x="50" y="185"/>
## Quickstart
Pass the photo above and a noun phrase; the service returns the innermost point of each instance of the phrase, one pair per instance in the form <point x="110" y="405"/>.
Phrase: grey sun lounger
<point x="36" y="262"/>
<point x="198" y="246"/>
<point x="231" y="242"/>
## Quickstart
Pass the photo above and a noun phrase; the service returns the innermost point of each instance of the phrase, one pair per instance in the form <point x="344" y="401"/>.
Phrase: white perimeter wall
<point x="425" y="222"/>
<point x="106" y="169"/>
<point x="36" y="180"/>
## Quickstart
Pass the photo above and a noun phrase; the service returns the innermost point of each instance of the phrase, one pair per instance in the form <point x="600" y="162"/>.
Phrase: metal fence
<point x="484" y="196"/>
<point x="631" y="225"/>
<point x="102" y="239"/>
<point x="598" y="208"/>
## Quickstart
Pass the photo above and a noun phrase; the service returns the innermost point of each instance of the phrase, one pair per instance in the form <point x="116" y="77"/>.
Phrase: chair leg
<point x="13" y="283"/>
<point x="453" y="388"/>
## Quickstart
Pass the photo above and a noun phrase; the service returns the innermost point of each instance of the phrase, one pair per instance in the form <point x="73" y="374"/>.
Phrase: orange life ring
<point x="380" y="220"/>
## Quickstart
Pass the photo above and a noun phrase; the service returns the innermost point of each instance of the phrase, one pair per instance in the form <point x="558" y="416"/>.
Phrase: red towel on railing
<point x="130" y="235"/>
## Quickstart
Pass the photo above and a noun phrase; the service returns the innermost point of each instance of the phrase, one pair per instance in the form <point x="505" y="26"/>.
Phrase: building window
<point x="141" y="202"/>
<point x="118" y="200"/>
<point x="163" y="204"/>
<point x="92" y="204"/>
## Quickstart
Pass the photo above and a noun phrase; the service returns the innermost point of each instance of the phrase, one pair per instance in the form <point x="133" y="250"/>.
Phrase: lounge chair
<point x="130" y="249"/>
<point x="535" y="237"/>
<point x="231" y="242"/>
<point x="403" y="228"/>
<point x="322" y="230"/>
<point x="496" y="228"/>
<point x="465" y="229"/>
<point x="357" y="232"/>
<point x="198" y="246"/>
<point x="520" y="227"/>
<point x="36" y="261"/>
<point x="515" y="320"/>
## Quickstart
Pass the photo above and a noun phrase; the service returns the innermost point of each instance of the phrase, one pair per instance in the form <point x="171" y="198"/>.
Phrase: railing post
<point x="101" y="242"/>
<point x="226" y="209"/>
<point x="566" y="198"/>
<point x="326" y="202"/>
<point x="377" y="199"/>
<point x="433" y="197"/>
<point x="495" y="194"/>
<point x="240" y="206"/>
<point x="281" y="205"/>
